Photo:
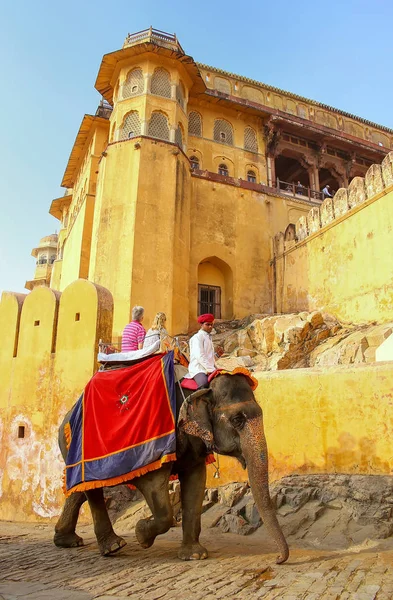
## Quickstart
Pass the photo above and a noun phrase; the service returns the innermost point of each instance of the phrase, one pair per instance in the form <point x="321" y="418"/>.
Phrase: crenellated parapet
<point x="376" y="180"/>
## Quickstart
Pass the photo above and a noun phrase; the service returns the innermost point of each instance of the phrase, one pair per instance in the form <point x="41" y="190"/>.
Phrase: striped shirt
<point x="133" y="334"/>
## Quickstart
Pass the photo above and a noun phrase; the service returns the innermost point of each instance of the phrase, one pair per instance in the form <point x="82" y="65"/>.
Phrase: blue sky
<point x="336" y="52"/>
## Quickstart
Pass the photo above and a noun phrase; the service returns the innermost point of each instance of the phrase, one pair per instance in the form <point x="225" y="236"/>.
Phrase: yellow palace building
<point x="177" y="185"/>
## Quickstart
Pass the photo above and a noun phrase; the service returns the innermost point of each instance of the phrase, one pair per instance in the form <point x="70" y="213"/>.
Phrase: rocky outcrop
<point x="292" y="341"/>
<point x="330" y="511"/>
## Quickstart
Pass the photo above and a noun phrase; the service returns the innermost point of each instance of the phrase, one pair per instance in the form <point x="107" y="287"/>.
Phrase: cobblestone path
<point x="239" y="567"/>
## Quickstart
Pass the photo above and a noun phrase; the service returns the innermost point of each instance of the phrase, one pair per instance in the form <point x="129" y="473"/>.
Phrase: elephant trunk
<point x="254" y="450"/>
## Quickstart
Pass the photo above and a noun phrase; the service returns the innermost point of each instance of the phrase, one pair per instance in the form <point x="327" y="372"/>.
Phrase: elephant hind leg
<point x="65" y="536"/>
<point x="154" y="487"/>
<point x="108" y="542"/>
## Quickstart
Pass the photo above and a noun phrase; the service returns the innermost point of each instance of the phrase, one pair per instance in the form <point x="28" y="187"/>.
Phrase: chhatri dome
<point x="46" y="254"/>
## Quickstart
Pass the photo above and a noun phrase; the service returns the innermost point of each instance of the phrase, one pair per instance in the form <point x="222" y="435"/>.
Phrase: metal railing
<point x="299" y="190"/>
<point x="153" y="35"/>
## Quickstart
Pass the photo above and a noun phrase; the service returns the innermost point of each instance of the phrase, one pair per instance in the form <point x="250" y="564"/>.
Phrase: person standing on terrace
<point x="134" y="333"/>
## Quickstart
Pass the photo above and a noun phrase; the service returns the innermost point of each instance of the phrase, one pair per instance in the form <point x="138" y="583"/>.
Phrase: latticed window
<point x="223" y="132"/>
<point x="180" y="95"/>
<point x="222" y="85"/>
<point x="131" y="126"/>
<point x="251" y="176"/>
<point x="158" y="126"/>
<point x="223" y="170"/>
<point x="194" y="160"/>
<point x="195" y="124"/>
<point x="179" y="137"/>
<point x="250" y="140"/>
<point x="160" y="83"/>
<point x="133" y="84"/>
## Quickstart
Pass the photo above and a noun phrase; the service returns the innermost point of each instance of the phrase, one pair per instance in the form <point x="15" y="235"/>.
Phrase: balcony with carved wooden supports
<point x="308" y="159"/>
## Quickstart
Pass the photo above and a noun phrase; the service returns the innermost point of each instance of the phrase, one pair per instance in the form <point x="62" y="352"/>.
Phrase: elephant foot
<point x="192" y="552"/>
<point x="111" y="544"/>
<point x="67" y="540"/>
<point x="143" y="533"/>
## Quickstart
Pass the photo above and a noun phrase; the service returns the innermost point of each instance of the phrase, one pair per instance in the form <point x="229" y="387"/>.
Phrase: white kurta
<point x="201" y="354"/>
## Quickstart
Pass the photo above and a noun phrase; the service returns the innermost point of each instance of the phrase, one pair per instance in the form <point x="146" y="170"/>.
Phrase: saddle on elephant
<point x="124" y="423"/>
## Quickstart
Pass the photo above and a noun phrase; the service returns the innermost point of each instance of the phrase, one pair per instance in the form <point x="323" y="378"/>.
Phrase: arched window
<point x="250" y="140"/>
<point x="180" y="94"/>
<point x="179" y="136"/>
<point x="195" y="124"/>
<point x="251" y="176"/>
<point x="194" y="160"/>
<point x="131" y="126"/>
<point x="160" y="83"/>
<point x="223" y="170"/>
<point x="43" y="259"/>
<point x="223" y="132"/>
<point x="158" y="126"/>
<point x="52" y="259"/>
<point x="133" y="85"/>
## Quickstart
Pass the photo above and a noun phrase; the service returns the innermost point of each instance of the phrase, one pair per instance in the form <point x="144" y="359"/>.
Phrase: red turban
<point x="207" y="318"/>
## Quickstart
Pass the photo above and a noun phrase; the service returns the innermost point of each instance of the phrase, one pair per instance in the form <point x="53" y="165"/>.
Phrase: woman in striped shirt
<point x="134" y="333"/>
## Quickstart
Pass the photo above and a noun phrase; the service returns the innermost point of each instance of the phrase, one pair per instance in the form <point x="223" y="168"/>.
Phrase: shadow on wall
<point x="348" y="456"/>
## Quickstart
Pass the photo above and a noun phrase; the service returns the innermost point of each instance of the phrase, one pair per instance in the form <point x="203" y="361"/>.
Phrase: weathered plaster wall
<point x="330" y="420"/>
<point x="42" y="376"/>
<point x="342" y="262"/>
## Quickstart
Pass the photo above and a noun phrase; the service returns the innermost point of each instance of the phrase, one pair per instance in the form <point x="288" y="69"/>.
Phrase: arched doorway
<point x="215" y="285"/>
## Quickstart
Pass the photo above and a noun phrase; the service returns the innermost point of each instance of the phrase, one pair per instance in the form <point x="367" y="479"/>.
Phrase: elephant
<point x="224" y="418"/>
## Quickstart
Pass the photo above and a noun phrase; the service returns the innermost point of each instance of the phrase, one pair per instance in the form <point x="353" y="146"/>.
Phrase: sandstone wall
<point x="47" y="355"/>
<point x="341" y="261"/>
<point x="323" y="420"/>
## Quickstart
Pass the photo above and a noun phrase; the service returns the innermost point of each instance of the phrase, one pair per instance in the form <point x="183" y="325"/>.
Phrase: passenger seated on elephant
<point x="134" y="333"/>
<point x="157" y="333"/>
<point x="202" y="352"/>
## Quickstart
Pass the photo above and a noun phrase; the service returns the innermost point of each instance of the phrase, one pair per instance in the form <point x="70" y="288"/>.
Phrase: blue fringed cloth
<point x="122" y="426"/>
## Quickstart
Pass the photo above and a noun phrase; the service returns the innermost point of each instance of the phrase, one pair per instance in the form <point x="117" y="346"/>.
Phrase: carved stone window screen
<point x="250" y="140"/>
<point x="133" y="85"/>
<point x="180" y="95"/>
<point x="160" y="83"/>
<point x="195" y="124"/>
<point x="223" y="132"/>
<point x="158" y="126"/>
<point x="222" y="85"/>
<point x="131" y="126"/>
<point x="179" y="137"/>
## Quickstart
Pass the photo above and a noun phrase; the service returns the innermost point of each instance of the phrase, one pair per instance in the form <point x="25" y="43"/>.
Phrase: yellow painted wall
<point x="330" y="420"/>
<point x="53" y="362"/>
<point x="345" y="267"/>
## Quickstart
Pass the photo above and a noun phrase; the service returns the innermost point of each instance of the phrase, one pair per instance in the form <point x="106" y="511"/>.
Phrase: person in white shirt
<point x="202" y="352"/>
<point x="326" y="191"/>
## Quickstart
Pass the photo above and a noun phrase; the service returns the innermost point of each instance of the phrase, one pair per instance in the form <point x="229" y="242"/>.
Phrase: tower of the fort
<point x="45" y="254"/>
<point x="179" y="182"/>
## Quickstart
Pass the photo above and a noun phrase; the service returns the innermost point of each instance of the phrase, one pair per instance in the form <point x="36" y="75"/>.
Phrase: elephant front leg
<point x="108" y="541"/>
<point x="193" y="484"/>
<point x="65" y="536"/>
<point x="154" y="487"/>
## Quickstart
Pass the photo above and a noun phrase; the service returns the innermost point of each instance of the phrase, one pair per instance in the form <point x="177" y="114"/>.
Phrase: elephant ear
<point x="195" y="417"/>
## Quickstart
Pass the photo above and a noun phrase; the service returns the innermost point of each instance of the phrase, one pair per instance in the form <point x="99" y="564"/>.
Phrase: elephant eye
<point x="238" y="421"/>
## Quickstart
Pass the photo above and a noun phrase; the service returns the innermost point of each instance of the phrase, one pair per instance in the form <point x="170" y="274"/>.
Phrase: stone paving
<point x="239" y="567"/>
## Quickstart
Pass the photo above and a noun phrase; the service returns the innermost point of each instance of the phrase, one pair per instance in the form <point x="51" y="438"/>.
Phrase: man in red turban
<point x="202" y="352"/>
